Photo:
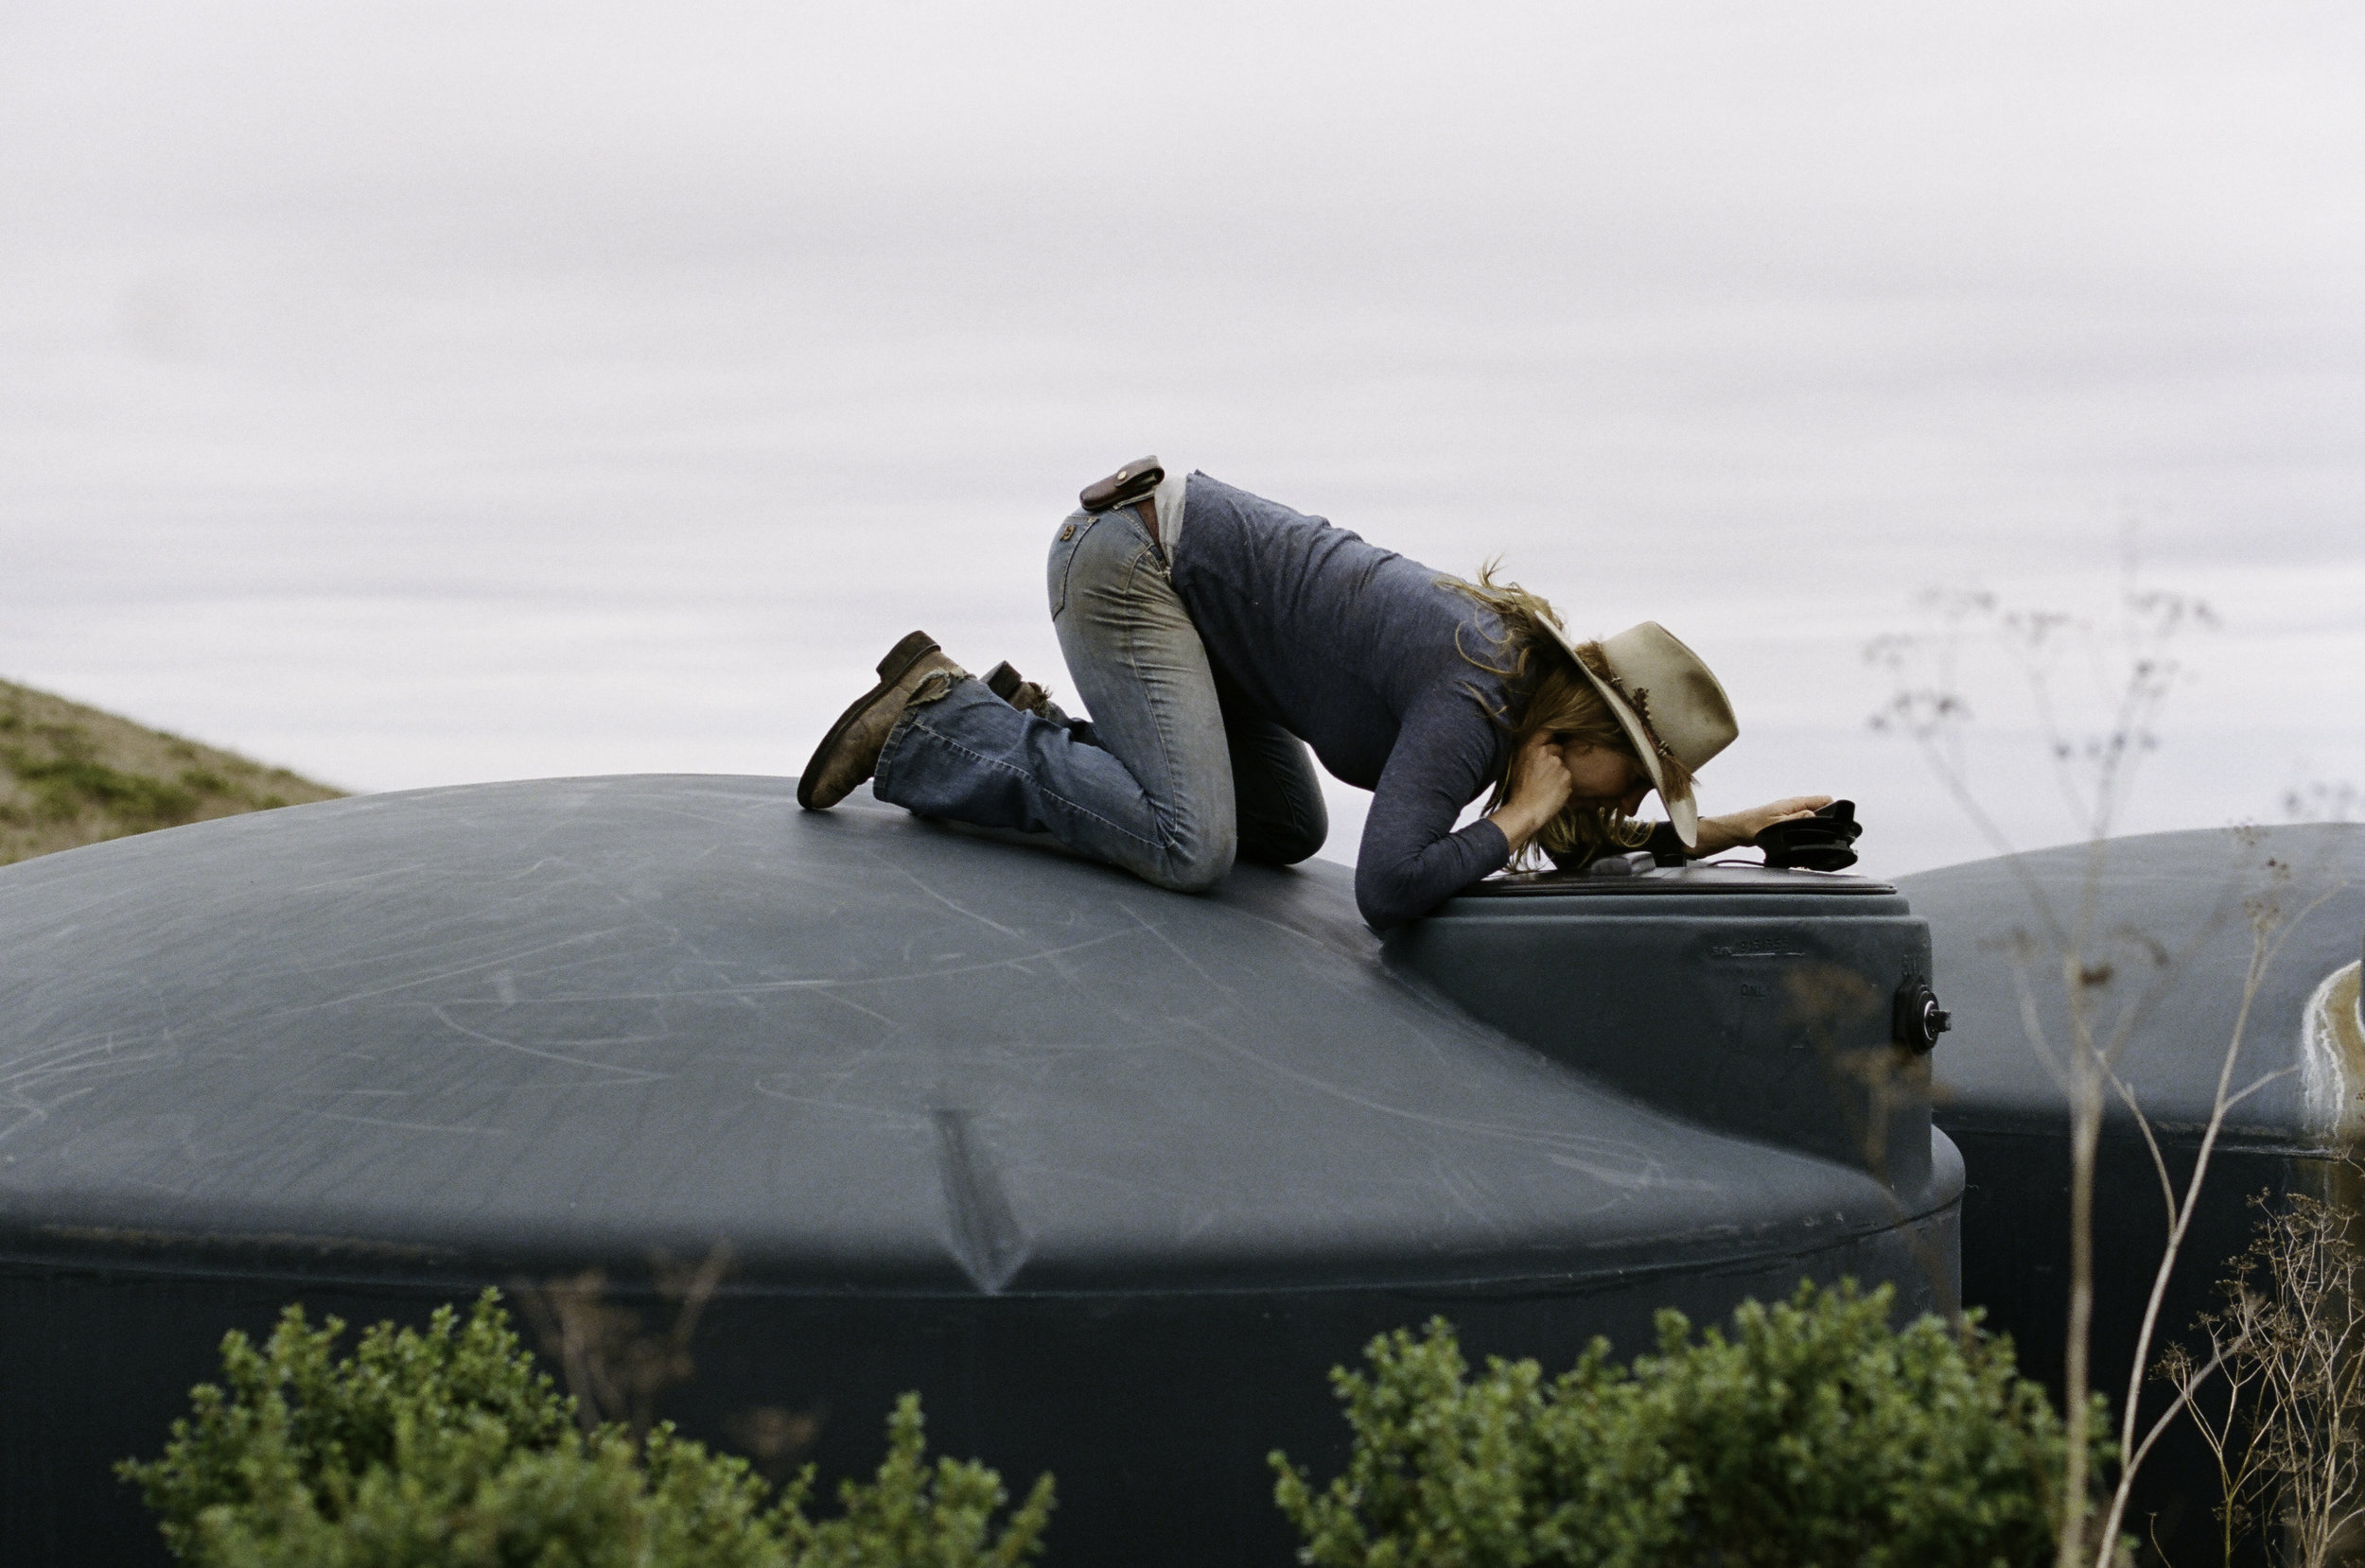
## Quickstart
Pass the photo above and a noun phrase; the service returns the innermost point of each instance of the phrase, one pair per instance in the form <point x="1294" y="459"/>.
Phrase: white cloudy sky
<point x="415" y="393"/>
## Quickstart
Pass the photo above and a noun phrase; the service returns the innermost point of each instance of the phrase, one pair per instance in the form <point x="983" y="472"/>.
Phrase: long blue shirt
<point x="1359" y="653"/>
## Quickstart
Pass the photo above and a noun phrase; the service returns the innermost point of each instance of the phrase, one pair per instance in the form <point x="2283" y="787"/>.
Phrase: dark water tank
<point x="1112" y="1176"/>
<point x="2173" y="915"/>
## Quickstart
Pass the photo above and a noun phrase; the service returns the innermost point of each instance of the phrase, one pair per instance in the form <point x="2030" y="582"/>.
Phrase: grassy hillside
<point x="71" y="774"/>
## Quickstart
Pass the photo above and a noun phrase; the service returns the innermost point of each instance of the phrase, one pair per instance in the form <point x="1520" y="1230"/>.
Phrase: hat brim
<point x="1683" y="812"/>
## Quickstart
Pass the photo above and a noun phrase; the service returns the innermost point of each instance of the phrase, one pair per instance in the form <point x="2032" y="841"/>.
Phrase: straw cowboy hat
<point x="1670" y="706"/>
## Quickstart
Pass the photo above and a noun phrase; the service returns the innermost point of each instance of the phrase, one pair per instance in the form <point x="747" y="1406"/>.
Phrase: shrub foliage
<point x="71" y="775"/>
<point x="447" y="1448"/>
<point x="1815" y="1434"/>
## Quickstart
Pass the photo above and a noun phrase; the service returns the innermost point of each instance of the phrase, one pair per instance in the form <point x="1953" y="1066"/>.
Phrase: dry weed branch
<point x="2130" y="671"/>
<point x="612" y="1365"/>
<point x="2287" y="1423"/>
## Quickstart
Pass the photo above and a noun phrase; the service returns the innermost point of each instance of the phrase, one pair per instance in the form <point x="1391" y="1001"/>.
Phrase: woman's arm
<point x="1540" y="786"/>
<point x="1411" y="859"/>
<point x="1733" y="831"/>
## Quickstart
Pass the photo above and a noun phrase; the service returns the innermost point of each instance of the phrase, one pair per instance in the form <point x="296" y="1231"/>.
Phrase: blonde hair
<point x="1545" y="694"/>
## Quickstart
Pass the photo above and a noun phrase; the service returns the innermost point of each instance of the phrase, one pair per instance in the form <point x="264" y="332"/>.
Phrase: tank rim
<point x="1717" y="879"/>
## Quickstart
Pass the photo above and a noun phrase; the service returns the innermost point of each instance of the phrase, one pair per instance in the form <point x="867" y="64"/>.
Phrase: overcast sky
<point x="421" y="393"/>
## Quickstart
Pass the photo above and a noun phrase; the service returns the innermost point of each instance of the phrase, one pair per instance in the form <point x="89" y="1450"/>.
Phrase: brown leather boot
<point x="850" y="752"/>
<point x="1017" y="691"/>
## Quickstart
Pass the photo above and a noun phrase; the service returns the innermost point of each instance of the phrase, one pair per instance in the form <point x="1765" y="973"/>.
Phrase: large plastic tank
<point x="1112" y="1176"/>
<point x="2173" y="914"/>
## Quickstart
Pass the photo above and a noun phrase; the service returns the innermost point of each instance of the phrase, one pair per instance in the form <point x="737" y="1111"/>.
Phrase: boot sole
<point x="915" y="647"/>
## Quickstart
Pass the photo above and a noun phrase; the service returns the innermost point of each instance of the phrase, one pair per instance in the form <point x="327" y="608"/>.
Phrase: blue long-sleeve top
<point x="1360" y="654"/>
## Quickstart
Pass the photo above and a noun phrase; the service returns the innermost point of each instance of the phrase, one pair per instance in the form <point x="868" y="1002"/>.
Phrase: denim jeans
<point x="1172" y="778"/>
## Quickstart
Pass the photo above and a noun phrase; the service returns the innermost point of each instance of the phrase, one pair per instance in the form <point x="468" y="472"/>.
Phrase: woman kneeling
<point x="1214" y="635"/>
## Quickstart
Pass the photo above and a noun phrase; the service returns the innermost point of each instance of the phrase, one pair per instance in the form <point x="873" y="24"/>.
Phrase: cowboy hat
<point x="1670" y="706"/>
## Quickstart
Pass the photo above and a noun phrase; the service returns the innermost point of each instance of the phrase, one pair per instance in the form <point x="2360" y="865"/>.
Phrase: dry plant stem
<point x="2075" y="1374"/>
<point x="614" y="1370"/>
<point x="2179" y="1221"/>
<point x="2314" y="1444"/>
<point x="1936" y="718"/>
<point x="2297" y="1350"/>
<point x="2240" y="1468"/>
<point x="2329" y="1500"/>
<point x="2089" y="1066"/>
<point x="2085" y="1135"/>
<point x="2269" y="931"/>
<point x="2188" y="1385"/>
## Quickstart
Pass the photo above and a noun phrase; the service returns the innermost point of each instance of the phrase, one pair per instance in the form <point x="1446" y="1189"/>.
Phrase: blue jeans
<point x="1173" y="777"/>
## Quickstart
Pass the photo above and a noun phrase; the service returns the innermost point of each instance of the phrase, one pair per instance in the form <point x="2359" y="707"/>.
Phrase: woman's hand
<point x="1718" y="834"/>
<point x="1540" y="786"/>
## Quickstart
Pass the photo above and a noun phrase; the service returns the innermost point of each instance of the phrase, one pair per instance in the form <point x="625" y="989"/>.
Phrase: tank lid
<point x="530" y="1027"/>
<point x="2178" y="893"/>
<point x="1710" y="877"/>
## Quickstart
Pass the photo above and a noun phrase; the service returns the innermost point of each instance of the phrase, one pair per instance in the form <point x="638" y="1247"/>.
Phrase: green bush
<point x="447" y="1450"/>
<point x="1816" y="1434"/>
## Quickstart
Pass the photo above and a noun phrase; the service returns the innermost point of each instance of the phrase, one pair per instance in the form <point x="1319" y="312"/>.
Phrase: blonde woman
<point x="1215" y="635"/>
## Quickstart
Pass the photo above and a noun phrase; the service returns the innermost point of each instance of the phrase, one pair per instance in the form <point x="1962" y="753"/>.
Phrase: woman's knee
<point x="1284" y="818"/>
<point x="1195" y="864"/>
<point x="1283" y="843"/>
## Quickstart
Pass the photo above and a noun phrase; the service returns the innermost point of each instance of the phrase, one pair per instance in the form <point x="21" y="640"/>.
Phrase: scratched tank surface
<point x="1111" y="1176"/>
<point x="2174" y="943"/>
